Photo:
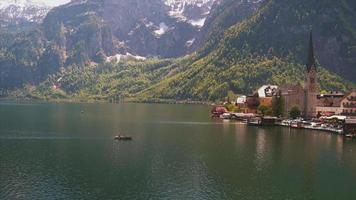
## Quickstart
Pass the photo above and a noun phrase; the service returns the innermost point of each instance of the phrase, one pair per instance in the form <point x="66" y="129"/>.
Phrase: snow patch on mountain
<point x="190" y="42"/>
<point x="21" y="3"/>
<point x="21" y="13"/>
<point x="191" y="11"/>
<point x="124" y="57"/>
<point x="198" y="23"/>
<point x="163" y="28"/>
<point x="31" y="3"/>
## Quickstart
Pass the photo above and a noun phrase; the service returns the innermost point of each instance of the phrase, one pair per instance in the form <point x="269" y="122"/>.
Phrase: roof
<point x="348" y="94"/>
<point x="267" y="90"/>
<point x="329" y="100"/>
<point x="311" y="58"/>
<point x="332" y="94"/>
<point x="289" y="87"/>
<point x="219" y="109"/>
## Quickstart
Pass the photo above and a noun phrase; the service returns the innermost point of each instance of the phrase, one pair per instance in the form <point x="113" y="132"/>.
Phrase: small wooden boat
<point x="122" y="137"/>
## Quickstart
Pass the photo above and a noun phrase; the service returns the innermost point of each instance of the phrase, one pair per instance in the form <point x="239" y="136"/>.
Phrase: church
<point x="303" y="98"/>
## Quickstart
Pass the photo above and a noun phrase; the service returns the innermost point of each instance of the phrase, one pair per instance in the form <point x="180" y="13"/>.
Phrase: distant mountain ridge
<point x="18" y="14"/>
<point x="22" y="3"/>
<point x="162" y="28"/>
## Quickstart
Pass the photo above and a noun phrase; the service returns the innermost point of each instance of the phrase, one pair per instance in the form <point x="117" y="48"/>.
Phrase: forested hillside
<point x="280" y="27"/>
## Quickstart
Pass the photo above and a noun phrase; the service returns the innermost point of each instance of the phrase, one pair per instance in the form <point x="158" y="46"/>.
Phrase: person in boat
<point x="122" y="137"/>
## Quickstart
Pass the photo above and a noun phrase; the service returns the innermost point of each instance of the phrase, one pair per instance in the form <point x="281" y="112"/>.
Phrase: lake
<point x="67" y="151"/>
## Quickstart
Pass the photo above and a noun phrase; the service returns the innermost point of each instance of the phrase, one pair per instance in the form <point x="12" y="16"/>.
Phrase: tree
<point x="100" y="57"/>
<point x="294" y="112"/>
<point x="229" y="107"/>
<point x="263" y="109"/>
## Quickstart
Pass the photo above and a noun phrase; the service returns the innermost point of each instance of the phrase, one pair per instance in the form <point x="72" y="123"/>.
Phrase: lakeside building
<point x="310" y="83"/>
<point x="266" y="93"/>
<point x="293" y="95"/>
<point x="252" y="103"/>
<point x="329" y="104"/>
<point x="241" y="101"/>
<point x="262" y="96"/>
<point x="303" y="98"/>
<point x="218" y="110"/>
<point x="348" y="104"/>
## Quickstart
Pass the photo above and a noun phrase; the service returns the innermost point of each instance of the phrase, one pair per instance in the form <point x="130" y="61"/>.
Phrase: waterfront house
<point x="348" y="104"/>
<point x="262" y="96"/>
<point x="252" y="103"/>
<point x="329" y="104"/>
<point x="240" y="103"/>
<point x="266" y="93"/>
<point x="218" y="110"/>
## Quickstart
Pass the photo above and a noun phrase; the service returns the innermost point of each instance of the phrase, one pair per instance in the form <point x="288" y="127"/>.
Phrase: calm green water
<point x="53" y="151"/>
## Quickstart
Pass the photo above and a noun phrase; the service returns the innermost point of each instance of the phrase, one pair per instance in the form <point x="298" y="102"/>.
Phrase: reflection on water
<point x="55" y="151"/>
<point x="261" y="149"/>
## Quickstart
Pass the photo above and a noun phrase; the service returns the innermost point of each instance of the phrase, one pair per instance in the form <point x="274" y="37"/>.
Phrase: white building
<point x="267" y="91"/>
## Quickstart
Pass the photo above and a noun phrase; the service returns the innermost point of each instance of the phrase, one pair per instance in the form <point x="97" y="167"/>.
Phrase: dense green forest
<point x="179" y="79"/>
<point x="280" y="28"/>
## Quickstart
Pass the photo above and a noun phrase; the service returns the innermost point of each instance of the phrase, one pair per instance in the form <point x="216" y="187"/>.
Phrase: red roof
<point x="219" y="110"/>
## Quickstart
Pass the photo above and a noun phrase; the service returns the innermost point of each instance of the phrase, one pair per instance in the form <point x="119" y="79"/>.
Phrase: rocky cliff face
<point x="161" y="28"/>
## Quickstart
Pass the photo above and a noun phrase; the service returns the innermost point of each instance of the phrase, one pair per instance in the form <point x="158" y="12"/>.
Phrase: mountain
<point x="269" y="47"/>
<point x="15" y="14"/>
<point x="21" y="3"/>
<point x="193" y="11"/>
<point x="141" y="27"/>
<point x="223" y="15"/>
<point x="82" y="32"/>
<point x="242" y="45"/>
<point x="279" y="28"/>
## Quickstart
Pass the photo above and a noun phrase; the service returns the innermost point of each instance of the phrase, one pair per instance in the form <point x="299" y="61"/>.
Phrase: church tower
<point x="310" y="84"/>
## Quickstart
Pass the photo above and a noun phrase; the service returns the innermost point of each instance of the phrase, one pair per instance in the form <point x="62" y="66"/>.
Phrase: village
<point x="295" y="106"/>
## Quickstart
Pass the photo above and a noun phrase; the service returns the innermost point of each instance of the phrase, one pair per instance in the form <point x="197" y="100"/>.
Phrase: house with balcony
<point x="348" y="104"/>
<point x="329" y="104"/>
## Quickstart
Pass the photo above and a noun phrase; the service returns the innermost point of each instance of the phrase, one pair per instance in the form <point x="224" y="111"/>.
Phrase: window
<point x="312" y="80"/>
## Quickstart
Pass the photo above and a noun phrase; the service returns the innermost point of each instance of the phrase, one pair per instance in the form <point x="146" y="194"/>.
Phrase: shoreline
<point x="158" y="101"/>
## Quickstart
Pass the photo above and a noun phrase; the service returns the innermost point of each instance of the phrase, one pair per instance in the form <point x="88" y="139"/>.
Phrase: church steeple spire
<point x="310" y="84"/>
<point x="311" y="59"/>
